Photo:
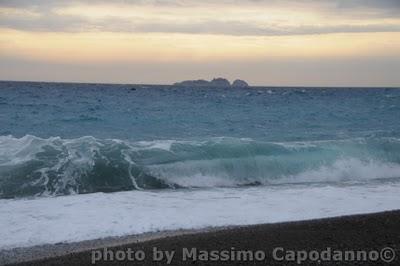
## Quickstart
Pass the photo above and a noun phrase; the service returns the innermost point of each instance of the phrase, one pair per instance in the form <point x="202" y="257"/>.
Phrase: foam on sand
<point x="49" y="220"/>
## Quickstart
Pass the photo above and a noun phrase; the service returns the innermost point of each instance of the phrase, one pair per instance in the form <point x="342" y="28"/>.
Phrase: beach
<point x="369" y="233"/>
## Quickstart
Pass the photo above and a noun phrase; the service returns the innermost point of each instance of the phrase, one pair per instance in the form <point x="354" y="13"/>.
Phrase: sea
<point x="87" y="161"/>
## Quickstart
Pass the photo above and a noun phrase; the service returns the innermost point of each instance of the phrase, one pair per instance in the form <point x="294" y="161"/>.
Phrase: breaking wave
<point x="32" y="166"/>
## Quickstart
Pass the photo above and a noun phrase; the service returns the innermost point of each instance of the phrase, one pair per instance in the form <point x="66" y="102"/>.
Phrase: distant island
<point x="216" y="82"/>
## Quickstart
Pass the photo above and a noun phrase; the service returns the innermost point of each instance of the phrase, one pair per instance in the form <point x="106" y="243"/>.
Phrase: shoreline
<point x="350" y="232"/>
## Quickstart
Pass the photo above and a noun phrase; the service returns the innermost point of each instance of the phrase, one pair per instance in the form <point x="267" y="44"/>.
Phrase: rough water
<point x="32" y="166"/>
<point x="59" y="139"/>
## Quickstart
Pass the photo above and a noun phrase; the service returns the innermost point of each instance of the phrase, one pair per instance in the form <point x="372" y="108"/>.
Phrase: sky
<point x="265" y="42"/>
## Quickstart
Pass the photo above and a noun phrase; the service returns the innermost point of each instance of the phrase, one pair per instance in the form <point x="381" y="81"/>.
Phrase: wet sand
<point x="365" y="233"/>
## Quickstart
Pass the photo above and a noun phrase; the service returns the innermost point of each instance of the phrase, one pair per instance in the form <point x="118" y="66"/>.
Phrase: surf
<point x="34" y="166"/>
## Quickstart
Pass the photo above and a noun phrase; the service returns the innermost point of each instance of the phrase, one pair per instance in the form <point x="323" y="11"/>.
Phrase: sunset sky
<point x="276" y="42"/>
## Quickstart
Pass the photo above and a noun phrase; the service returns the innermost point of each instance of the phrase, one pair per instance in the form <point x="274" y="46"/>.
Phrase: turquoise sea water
<point x="58" y="138"/>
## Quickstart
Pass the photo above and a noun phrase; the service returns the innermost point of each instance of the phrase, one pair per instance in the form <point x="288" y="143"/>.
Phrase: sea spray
<point x="33" y="166"/>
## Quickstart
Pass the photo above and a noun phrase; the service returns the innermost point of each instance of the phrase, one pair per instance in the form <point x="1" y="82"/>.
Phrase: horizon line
<point x="250" y="86"/>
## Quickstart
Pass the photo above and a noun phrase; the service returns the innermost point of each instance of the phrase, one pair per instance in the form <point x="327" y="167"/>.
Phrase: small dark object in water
<point x="133" y="89"/>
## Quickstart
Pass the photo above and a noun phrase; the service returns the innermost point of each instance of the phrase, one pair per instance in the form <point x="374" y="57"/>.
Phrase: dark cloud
<point x="378" y="4"/>
<point x="49" y="21"/>
<point x="56" y="3"/>
<point x="52" y="22"/>
<point x="238" y="28"/>
<point x="376" y="8"/>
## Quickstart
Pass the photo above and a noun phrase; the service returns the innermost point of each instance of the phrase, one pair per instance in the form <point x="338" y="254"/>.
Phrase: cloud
<point x="239" y="28"/>
<point x="368" y="8"/>
<point x="45" y="15"/>
<point x="380" y="4"/>
<point x="55" y="23"/>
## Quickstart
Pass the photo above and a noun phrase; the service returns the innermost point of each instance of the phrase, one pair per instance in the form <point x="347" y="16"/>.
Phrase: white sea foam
<point x="28" y="222"/>
<point x="214" y="173"/>
<point x="32" y="166"/>
<point x="346" y="169"/>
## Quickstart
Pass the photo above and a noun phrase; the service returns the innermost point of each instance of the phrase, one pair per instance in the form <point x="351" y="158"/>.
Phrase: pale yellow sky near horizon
<point x="268" y="42"/>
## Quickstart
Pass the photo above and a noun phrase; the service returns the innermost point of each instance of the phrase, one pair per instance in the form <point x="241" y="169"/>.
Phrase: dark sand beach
<point x="367" y="232"/>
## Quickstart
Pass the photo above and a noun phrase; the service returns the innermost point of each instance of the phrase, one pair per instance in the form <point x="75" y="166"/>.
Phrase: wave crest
<point x="54" y="166"/>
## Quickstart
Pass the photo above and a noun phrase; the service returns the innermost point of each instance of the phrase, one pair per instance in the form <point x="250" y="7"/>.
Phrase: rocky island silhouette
<point x="216" y="82"/>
